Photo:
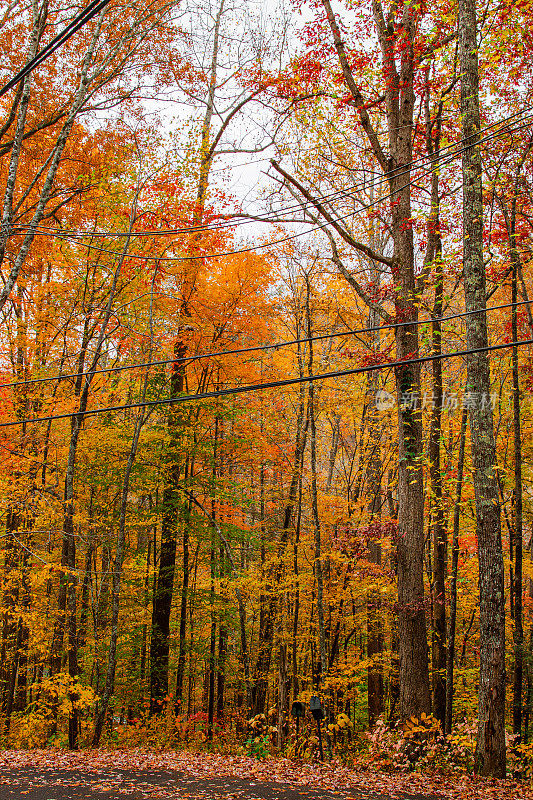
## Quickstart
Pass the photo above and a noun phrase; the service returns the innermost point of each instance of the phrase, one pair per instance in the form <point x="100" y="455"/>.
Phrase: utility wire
<point x="81" y="19"/>
<point x="262" y="347"/>
<point x="269" y="385"/>
<point x="271" y="216"/>
<point x="289" y="237"/>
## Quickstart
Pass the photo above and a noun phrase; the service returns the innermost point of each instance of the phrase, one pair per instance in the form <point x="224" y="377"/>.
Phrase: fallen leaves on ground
<point x="329" y="776"/>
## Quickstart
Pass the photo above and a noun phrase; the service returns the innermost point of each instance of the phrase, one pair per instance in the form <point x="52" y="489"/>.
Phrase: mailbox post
<point x="315" y="707"/>
<point x="298" y="711"/>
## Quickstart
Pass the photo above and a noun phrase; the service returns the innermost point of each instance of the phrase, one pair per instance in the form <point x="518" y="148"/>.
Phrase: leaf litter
<point x="136" y="770"/>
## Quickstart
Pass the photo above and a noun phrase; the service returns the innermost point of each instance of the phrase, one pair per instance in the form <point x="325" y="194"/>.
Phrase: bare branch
<point x="348" y="238"/>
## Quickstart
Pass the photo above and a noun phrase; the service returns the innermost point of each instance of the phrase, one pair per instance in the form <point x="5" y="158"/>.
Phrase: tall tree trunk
<point x="24" y="632"/>
<point x="266" y="621"/>
<point x="296" y="605"/>
<point x="10" y="596"/>
<point x="412" y="642"/>
<point x="212" y="593"/>
<point x="318" y="569"/>
<point x="450" y="644"/>
<point x="516" y="539"/>
<point x="89" y="552"/>
<point x="211" y="664"/>
<point x="283" y="693"/>
<point x="438" y="639"/>
<point x="270" y="604"/>
<point x="117" y="579"/>
<point x="298" y="522"/>
<point x="15" y="633"/>
<point x="121" y="548"/>
<point x="222" y="651"/>
<point x="490" y="752"/>
<point x="439" y="535"/>
<point x="529" y="680"/>
<point x="222" y="618"/>
<point x="184" y="599"/>
<point x="374" y="468"/>
<point x="144" y="633"/>
<point x="335" y="439"/>
<point x="164" y="589"/>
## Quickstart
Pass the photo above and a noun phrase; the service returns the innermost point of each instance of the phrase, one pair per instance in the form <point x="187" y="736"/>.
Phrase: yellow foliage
<point x="58" y="696"/>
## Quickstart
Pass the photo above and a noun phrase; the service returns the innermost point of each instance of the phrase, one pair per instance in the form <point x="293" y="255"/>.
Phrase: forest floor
<point x="35" y="784"/>
<point x="140" y="775"/>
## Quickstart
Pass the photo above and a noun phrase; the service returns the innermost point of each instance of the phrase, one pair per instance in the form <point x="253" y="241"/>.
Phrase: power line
<point x="270" y="217"/>
<point x="81" y="19"/>
<point x="262" y="347"/>
<point x="269" y="385"/>
<point x="289" y="237"/>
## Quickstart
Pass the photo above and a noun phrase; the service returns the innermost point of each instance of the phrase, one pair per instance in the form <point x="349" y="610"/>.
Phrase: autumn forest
<point x="266" y="368"/>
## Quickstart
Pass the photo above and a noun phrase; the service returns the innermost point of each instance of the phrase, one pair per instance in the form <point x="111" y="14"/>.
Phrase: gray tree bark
<point x="450" y="643"/>
<point x="490" y="752"/>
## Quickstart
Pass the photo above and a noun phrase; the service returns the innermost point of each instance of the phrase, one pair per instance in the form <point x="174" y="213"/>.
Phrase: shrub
<point x="57" y="697"/>
<point x="419" y="744"/>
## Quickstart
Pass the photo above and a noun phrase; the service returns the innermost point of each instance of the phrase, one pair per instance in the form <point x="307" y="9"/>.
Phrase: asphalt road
<point x="37" y="784"/>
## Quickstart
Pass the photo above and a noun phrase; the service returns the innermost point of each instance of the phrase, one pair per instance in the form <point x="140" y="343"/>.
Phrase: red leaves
<point x="370" y="358"/>
<point x="375" y="531"/>
<point x="332" y="776"/>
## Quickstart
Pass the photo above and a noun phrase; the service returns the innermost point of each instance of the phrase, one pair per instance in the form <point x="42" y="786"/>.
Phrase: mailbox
<point x="315" y="707"/>
<point x="298" y="709"/>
